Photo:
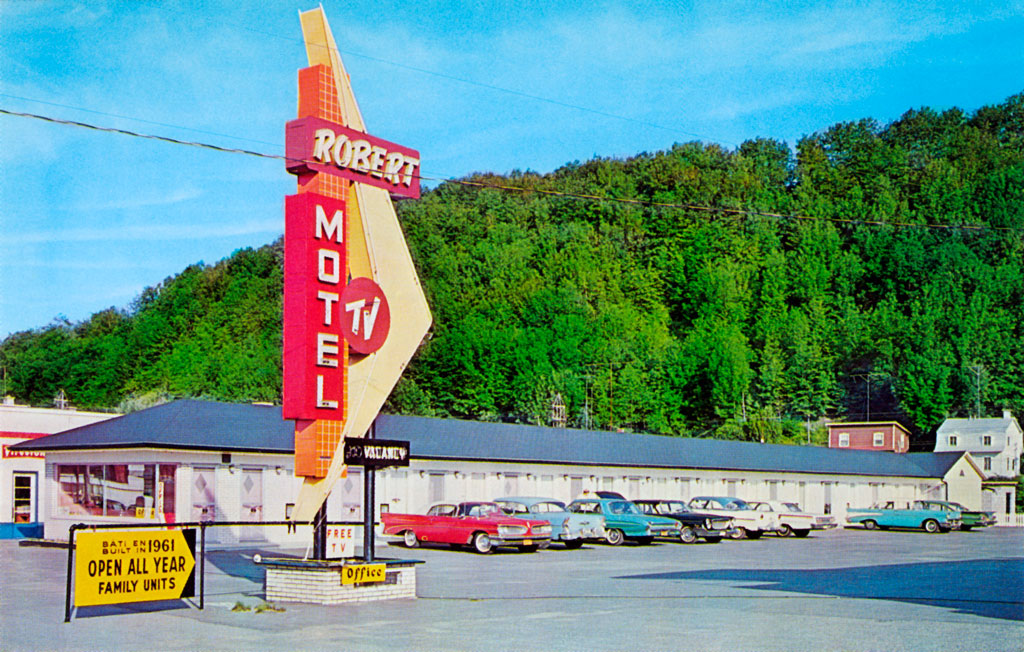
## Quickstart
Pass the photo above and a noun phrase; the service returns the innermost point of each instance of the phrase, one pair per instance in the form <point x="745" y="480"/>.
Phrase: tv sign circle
<point x="366" y="318"/>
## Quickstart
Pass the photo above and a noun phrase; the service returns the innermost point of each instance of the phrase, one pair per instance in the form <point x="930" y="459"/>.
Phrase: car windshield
<point x="481" y="509"/>
<point x="792" y="507"/>
<point x="622" y="507"/>
<point x="959" y="506"/>
<point x="672" y="507"/>
<point x="734" y="504"/>
<point x="585" y="508"/>
<point x="547" y="507"/>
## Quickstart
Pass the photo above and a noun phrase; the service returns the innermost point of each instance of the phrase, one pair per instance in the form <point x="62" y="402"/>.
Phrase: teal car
<point x="918" y="514"/>
<point x="624" y="521"/>
<point x="969" y="519"/>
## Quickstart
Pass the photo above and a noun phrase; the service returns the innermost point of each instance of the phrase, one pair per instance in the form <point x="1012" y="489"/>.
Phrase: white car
<point x="790" y="520"/>
<point x="749" y="524"/>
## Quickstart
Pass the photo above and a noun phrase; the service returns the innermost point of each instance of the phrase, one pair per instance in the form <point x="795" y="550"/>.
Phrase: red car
<point x="481" y="525"/>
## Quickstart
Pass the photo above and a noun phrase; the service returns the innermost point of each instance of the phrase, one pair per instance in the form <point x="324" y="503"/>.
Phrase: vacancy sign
<point x="116" y="566"/>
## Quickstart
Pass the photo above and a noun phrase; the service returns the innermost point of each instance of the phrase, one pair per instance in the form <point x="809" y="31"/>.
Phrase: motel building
<point x="21" y="471"/>
<point x="192" y="460"/>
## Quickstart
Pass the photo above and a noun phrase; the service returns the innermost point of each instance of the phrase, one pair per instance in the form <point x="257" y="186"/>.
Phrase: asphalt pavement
<point x="838" y="590"/>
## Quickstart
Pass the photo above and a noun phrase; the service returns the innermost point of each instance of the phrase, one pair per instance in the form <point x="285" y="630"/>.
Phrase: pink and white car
<point x="790" y="520"/>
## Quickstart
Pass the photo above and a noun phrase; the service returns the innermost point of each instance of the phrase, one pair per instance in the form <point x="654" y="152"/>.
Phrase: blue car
<point x="624" y="521"/>
<point x="569" y="528"/>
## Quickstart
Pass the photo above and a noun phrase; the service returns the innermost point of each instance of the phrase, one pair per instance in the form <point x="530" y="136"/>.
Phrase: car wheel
<point x="482" y="543"/>
<point x="573" y="544"/>
<point x="614" y="537"/>
<point x="644" y="541"/>
<point x="801" y="533"/>
<point x="409" y="539"/>
<point x="785" y="531"/>
<point x="931" y="526"/>
<point x="754" y="535"/>
<point x="739" y="533"/>
<point x="713" y="539"/>
<point x="687" y="534"/>
<point x="966" y="528"/>
<point x="870" y="525"/>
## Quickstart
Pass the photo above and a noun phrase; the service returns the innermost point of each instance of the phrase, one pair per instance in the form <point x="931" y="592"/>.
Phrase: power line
<point x="520" y="189"/>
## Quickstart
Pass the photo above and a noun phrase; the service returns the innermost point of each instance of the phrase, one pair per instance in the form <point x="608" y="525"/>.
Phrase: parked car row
<point x="531" y="523"/>
<point x="929" y="515"/>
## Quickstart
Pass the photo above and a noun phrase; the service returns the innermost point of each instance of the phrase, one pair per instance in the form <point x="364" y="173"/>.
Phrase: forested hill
<point x="700" y="291"/>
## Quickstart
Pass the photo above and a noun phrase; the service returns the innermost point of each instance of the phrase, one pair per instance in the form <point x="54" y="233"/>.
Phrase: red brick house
<point x="869" y="436"/>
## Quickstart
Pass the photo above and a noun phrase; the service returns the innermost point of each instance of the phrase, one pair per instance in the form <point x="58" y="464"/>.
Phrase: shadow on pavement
<point x="985" y="587"/>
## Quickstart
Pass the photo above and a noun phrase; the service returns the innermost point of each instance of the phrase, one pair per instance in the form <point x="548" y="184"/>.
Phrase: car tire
<point x="482" y="543"/>
<point x="785" y="531"/>
<point x="870" y="525"/>
<point x="409" y="539"/>
<point x="573" y="544"/>
<point x="801" y="533"/>
<point x="931" y="526"/>
<point x="614" y="537"/>
<point x="644" y="541"/>
<point x="966" y="528"/>
<point x="713" y="539"/>
<point x="687" y="534"/>
<point x="754" y="535"/>
<point x="738" y="533"/>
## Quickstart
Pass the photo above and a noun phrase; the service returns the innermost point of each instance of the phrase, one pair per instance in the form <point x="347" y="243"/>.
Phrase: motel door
<point x="252" y="504"/>
<point x="24" y="493"/>
<point x="204" y="501"/>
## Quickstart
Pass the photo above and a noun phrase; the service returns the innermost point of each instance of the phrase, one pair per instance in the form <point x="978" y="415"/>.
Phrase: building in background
<point x="869" y="436"/>
<point x="996" y="445"/>
<point x="21" y="471"/>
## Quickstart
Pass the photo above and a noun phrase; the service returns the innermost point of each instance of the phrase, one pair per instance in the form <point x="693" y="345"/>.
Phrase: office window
<point x="987" y="463"/>
<point x="878" y="439"/>
<point x="952" y="440"/>
<point x="986" y="440"/>
<point x="844" y="439"/>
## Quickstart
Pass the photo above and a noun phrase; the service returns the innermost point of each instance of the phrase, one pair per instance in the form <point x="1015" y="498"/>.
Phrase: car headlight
<point x="542" y="529"/>
<point x="505" y="531"/>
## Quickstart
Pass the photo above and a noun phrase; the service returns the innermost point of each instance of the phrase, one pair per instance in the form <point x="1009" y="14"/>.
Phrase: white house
<point x="996" y="445"/>
<point x="20" y="471"/>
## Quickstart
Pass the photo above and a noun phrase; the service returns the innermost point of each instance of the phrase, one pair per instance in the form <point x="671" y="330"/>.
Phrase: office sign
<point x="115" y="566"/>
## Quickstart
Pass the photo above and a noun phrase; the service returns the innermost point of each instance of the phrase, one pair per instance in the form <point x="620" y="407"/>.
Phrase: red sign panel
<point x="318" y="145"/>
<point x="315" y="274"/>
<point x="9" y="453"/>
<point x="366" y="316"/>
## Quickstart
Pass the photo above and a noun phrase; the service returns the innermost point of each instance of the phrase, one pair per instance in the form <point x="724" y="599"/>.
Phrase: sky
<point x="89" y="219"/>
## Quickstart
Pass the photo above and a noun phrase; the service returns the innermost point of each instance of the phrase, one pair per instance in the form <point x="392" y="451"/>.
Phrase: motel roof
<point x="205" y="425"/>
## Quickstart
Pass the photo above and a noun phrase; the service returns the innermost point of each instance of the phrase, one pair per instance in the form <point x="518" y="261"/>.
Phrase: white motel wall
<point x="192" y="461"/>
<point x="272" y="487"/>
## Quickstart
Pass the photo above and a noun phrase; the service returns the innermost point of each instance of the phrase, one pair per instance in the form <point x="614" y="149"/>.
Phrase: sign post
<point x="114" y="567"/>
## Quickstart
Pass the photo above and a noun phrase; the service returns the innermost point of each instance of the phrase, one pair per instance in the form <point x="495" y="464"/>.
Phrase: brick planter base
<point x="319" y="582"/>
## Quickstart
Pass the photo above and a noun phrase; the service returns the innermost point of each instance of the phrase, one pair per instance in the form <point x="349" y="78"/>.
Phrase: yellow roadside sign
<point x="112" y="567"/>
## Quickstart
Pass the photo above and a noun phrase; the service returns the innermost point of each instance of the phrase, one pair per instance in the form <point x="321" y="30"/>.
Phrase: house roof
<point x="183" y="424"/>
<point x="978" y="426"/>
<point x="205" y="425"/>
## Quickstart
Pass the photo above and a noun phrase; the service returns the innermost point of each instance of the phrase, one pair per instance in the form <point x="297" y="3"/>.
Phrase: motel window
<point x="878" y="439"/>
<point x="124" y="490"/>
<point x="952" y="440"/>
<point x="436" y="488"/>
<point x="986" y="440"/>
<point x="844" y="439"/>
<point x="987" y="463"/>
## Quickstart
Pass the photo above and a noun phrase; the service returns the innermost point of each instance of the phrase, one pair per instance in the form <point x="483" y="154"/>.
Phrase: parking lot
<point x="843" y="589"/>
